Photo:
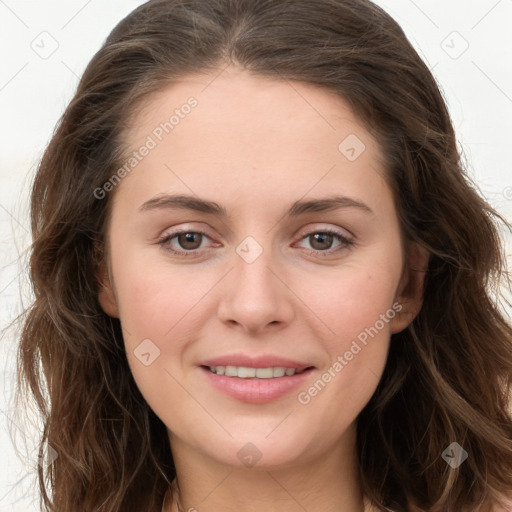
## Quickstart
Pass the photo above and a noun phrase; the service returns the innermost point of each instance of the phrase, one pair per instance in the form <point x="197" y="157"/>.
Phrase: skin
<point x="254" y="146"/>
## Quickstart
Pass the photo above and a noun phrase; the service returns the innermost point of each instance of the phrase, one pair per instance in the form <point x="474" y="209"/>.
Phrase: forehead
<point x="218" y="131"/>
<point x="233" y="100"/>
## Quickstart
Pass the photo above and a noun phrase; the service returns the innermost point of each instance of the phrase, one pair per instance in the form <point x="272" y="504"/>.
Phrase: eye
<point x="183" y="242"/>
<point x="322" y="242"/>
<point x="189" y="243"/>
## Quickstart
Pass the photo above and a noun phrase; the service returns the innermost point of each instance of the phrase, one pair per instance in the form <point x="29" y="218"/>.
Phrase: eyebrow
<point x="300" y="207"/>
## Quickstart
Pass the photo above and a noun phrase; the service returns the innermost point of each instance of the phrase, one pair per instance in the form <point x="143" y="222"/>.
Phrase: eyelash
<point x="164" y="242"/>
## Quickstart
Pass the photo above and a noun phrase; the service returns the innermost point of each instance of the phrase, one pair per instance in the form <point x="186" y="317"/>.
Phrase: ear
<point x="106" y="293"/>
<point x="410" y="289"/>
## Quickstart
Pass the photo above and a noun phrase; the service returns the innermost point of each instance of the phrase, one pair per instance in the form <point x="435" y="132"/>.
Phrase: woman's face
<point x="293" y="260"/>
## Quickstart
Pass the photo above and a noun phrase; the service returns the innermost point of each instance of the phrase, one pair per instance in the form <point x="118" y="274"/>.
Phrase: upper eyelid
<point x="300" y="233"/>
<point x="304" y="233"/>
<point x="337" y="230"/>
<point x="180" y="231"/>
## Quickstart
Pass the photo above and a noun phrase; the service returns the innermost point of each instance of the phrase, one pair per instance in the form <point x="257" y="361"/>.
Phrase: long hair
<point x="448" y="375"/>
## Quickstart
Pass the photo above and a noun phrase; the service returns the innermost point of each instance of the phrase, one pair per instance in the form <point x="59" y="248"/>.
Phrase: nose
<point x="255" y="297"/>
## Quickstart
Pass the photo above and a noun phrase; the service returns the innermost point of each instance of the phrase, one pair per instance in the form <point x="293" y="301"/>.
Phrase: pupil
<point x="323" y="238"/>
<point x="186" y="240"/>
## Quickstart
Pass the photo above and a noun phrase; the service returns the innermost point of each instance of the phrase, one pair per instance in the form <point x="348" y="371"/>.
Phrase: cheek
<point x="352" y="299"/>
<point x="161" y="307"/>
<point x="357" y="307"/>
<point x="155" y="308"/>
<point x="154" y="299"/>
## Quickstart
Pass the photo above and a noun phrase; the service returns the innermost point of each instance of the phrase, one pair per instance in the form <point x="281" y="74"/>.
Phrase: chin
<point x="265" y="449"/>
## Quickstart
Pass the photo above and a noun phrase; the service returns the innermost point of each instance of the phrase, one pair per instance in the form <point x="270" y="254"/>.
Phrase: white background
<point x="34" y="91"/>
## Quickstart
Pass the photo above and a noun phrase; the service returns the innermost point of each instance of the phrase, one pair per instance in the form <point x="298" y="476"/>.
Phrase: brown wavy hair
<point x="448" y="375"/>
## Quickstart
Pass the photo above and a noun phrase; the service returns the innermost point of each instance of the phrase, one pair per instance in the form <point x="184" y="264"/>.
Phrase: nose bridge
<point x="252" y="275"/>
<point x="254" y="296"/>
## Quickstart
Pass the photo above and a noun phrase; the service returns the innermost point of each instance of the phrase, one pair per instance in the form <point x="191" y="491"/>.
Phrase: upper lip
<point x="261" y="361"/>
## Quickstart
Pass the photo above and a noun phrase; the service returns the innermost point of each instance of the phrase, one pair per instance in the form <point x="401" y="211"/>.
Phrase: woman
<point x="262" y="278"/>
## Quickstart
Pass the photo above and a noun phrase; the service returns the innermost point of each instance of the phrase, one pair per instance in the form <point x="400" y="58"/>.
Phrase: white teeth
<point x="231" y="371"/>
<point x="264" y="373"/>
<point x="278" y="372"/>
<point x="244" y="372"/>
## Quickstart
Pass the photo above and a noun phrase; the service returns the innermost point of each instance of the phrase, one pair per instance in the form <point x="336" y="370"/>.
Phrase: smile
<point x="256" y="385"/>
<point x="245" y="372"/>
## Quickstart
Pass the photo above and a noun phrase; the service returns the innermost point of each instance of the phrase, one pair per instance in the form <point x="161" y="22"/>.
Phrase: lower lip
<point x="254" y="390"/>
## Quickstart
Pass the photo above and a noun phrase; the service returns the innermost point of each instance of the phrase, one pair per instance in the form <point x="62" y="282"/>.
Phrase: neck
<point x="327" y="482"/>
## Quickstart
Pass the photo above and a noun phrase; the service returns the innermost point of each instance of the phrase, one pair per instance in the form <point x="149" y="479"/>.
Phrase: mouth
<point x="246" y="372"/>
<point x="256" y="385"/>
